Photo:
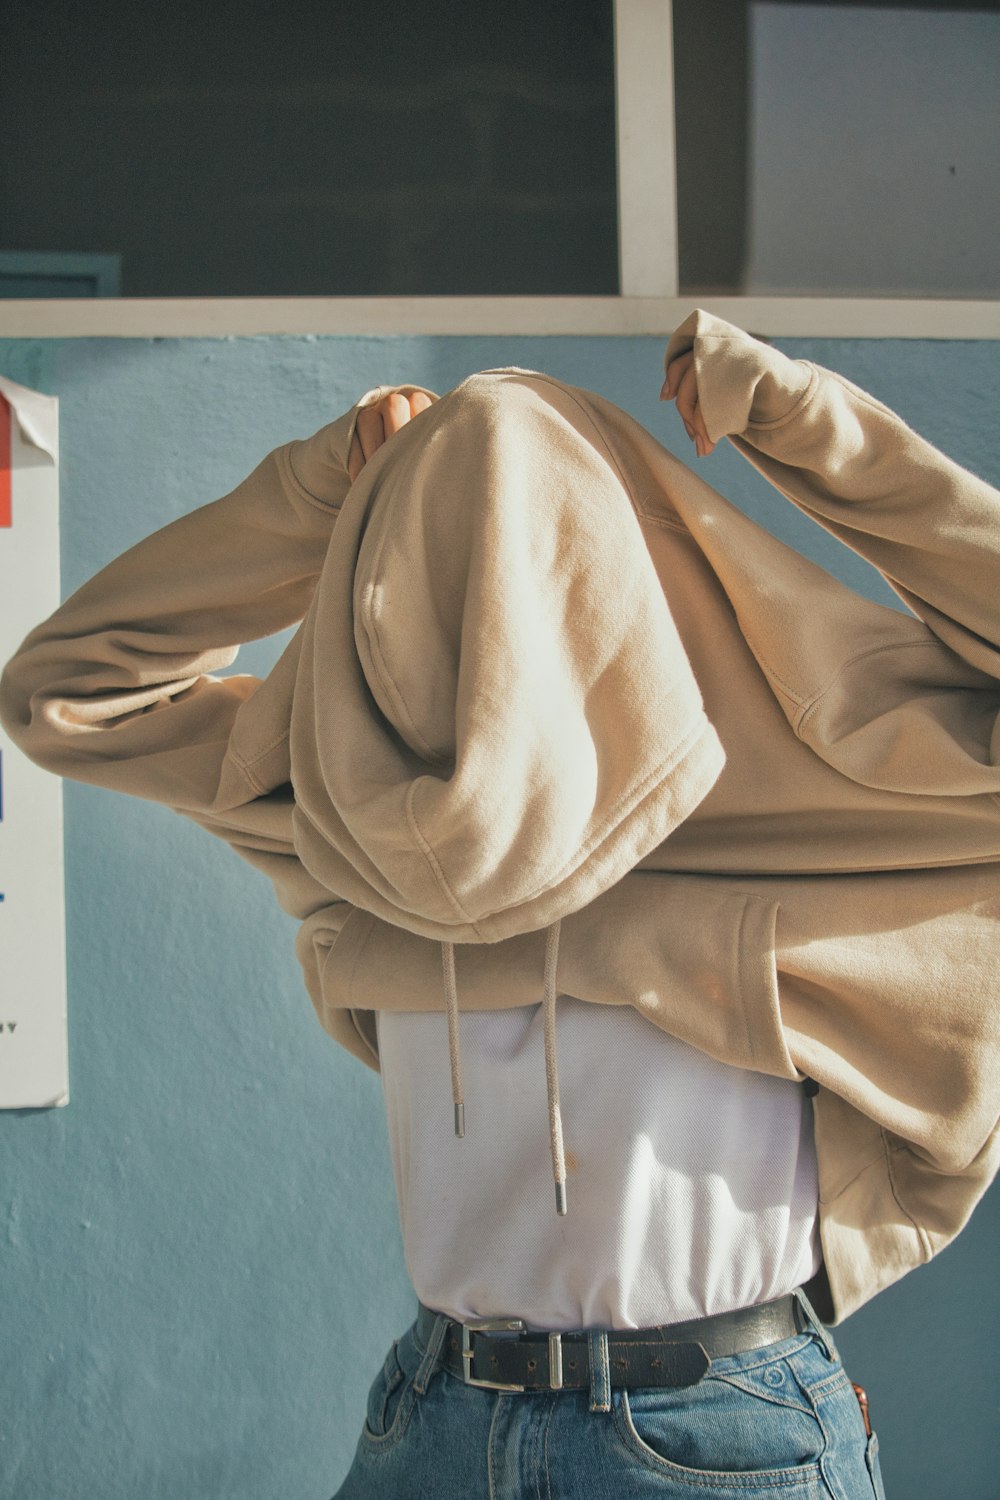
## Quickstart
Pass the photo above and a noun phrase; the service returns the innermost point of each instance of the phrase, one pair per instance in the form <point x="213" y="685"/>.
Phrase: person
<point x="562" y="734"/>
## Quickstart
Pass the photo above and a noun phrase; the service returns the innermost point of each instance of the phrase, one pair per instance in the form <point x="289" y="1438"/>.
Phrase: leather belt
<point x="501" y="1354"/>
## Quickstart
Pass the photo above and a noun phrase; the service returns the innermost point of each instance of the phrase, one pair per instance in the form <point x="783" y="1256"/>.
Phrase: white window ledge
<point x="220" y="317"/>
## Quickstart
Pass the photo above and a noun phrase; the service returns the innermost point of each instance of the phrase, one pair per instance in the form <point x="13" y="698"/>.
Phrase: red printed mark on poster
<point x="6" y="518"/>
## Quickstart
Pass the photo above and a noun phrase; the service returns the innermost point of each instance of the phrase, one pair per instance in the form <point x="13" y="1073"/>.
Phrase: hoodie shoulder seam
<point x="246" y="764"/>
<point x="813" y="701"/>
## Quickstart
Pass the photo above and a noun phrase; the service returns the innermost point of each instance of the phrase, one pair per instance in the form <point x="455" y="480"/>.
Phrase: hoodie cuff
<point x="319" y="463"/>
<point x="741" y="382"/>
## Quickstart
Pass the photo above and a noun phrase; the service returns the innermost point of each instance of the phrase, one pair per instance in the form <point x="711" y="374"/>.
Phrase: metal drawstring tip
<point x="460" y="1120"/>
<point x="560" y="1197"/>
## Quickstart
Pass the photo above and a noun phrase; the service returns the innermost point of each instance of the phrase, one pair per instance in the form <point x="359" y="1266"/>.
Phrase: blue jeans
<point x="782" y="1420"/>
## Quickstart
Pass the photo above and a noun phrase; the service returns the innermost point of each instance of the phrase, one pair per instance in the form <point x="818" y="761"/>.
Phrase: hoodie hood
<point x="495" y="718"/>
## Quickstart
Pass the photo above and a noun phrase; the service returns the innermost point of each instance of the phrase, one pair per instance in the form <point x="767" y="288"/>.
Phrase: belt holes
<point x="572" y="1364"/>
<point x="657" y="1364"/>
<point x="531" y="1364"/>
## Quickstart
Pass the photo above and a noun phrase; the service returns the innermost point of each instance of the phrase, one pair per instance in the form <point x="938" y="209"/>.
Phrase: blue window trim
<point x="99" y="275"/>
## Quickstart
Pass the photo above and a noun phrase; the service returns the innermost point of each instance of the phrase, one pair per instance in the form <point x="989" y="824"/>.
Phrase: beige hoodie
<point x="557" y="701"/>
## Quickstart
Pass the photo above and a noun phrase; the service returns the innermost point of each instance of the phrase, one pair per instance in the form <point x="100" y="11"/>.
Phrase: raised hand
<point x="681" y="385"/>
<point x="377" y="423"/>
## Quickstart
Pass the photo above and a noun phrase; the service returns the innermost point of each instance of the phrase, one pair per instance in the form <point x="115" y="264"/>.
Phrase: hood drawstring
<point x="451" y="996"/>
<point x="551" y="1072"/>
<point x="556" y="1147"/>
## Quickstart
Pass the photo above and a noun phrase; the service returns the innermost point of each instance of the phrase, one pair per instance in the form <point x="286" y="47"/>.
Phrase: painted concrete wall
<point x="201" y="1261"/>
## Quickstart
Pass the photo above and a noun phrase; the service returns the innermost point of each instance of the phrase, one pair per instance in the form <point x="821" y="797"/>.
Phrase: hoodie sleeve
<point x="931" y="527"/>
<point x="117" y="687"/>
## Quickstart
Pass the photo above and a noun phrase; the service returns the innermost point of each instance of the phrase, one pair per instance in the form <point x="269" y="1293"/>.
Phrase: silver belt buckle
<point x="486" y="1325"/>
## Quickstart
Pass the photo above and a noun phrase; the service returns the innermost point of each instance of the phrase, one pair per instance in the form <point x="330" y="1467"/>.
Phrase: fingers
<point x="419" y="402"/>
<point x="377" y="423"/>
<point x="690" y="413"/>
<point x="355" y="459"/>
<point x="395" y="413"/>
<point x="676" y="368"/>
<point x="681" y="385"/>
<point x="369" y="435"/>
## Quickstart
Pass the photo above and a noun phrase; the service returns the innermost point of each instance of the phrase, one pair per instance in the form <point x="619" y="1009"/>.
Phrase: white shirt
<point x="691" y="1185"/>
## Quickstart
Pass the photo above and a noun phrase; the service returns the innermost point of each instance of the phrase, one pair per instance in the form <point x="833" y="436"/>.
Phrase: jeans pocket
<point x="738" y="1431"/>
<point x="391" y="1395"/>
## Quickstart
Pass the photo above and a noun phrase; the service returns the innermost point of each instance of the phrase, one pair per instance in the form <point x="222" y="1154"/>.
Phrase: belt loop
<point x="600" y="1370"/>
<point x="810" y="1315"/>
<point x="555" y="1362"/>
<point x="433" y="1357"/>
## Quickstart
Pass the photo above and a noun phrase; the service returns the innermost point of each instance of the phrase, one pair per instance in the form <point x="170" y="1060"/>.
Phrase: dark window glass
<point x="313" y="148"/>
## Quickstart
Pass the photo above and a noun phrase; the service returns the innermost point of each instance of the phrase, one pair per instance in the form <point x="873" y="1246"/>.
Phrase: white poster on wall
<point x="33" y="1051"/>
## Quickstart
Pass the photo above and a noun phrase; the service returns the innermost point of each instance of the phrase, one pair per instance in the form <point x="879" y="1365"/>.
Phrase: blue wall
<point x="200" y="1249"/>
